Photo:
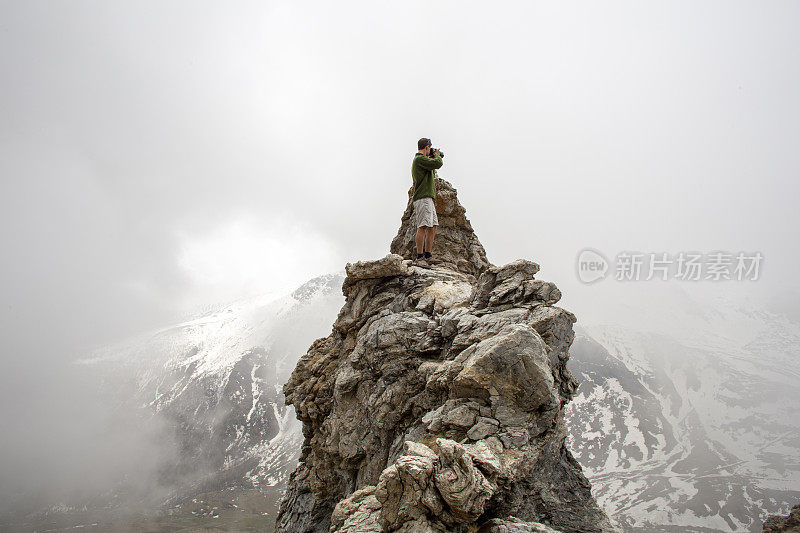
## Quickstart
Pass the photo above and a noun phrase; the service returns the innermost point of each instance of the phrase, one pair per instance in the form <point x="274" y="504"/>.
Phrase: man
<point x="423" y="170"/>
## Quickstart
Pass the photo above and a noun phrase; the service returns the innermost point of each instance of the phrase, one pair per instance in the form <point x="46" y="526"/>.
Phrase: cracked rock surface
<point x="437" y="402"/>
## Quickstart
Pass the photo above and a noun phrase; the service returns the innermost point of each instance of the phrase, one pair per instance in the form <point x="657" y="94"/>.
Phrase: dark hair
<point x="422" y="143"/>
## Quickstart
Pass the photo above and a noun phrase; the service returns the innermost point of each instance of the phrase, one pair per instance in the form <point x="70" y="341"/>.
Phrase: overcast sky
<point x="159" y="156"/>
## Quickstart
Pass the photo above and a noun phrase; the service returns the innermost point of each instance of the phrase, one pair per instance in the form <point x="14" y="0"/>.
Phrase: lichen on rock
<point x="437" y="402"/>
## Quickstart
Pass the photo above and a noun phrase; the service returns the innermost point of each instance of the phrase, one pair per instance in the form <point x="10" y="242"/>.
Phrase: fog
<point x="156" y="158"/>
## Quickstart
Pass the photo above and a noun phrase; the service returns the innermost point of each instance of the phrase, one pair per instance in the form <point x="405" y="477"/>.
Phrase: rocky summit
<point x="437" y="401"/>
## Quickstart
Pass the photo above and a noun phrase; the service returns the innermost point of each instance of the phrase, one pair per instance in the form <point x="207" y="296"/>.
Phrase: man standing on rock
<point x="423" y="170"/>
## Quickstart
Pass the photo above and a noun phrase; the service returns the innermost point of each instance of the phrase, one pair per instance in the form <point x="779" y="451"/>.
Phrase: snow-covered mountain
<point x="215" y="382"/>
<point x="686" y="416"/>
<point x="687" y="420"/>
<point x="192" y="409"/>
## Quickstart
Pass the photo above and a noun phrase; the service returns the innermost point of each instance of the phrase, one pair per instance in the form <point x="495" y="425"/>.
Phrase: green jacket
<point x="422" y="170"/>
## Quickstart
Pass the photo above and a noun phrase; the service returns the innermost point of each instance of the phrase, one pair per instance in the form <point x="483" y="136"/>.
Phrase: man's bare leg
<point x="429" y="239"/>
<point x="420" y="238"/>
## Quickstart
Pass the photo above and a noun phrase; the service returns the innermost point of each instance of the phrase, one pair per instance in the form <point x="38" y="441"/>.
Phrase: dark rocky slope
<point x="784" y="524"/>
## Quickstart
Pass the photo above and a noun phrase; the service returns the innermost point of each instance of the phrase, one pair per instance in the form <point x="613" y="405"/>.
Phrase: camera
<point x="433" y="150"/>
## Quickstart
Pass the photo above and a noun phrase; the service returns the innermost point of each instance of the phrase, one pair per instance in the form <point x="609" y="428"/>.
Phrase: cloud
<point x="252" y="255"/>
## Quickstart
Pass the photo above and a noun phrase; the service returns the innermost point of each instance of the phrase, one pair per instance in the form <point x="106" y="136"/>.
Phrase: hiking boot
<point x="431" y="261"/>
<point x="421" y="262"/>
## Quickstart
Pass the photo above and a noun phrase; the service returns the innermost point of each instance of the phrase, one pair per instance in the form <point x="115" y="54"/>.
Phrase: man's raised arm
<point x="431" y="163"/>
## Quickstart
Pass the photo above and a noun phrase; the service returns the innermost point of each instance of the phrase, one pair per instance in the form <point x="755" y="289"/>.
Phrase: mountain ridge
<point x="437" y="401"/>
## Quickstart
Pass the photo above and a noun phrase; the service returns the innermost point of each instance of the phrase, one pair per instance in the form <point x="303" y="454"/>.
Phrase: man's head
<point x="424" y="146"/>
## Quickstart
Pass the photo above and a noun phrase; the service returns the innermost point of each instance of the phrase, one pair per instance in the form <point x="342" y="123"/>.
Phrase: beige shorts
<point x="425" y="212"/>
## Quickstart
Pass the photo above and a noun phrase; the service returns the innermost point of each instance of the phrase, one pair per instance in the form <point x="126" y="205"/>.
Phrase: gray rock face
<point x="784" y="524"/>
<point x="437" y="402"/>
<point x="456" y="245"/>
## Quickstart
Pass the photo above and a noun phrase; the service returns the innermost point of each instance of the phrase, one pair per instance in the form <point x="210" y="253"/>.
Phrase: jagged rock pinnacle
<point x="455" y="245"/>
<point x="437" y="401"/>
